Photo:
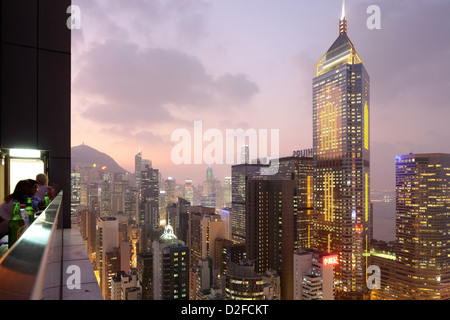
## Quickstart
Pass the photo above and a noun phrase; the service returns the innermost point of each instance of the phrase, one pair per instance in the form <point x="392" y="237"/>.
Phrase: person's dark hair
<point x="21" y="191"/>
<point x="33" y="181"/>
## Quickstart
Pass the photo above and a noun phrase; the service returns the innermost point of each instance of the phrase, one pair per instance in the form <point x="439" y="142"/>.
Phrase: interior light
<point x="25" y="153"/>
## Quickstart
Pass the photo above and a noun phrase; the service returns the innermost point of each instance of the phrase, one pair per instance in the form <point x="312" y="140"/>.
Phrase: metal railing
<point x="31" y="268"/>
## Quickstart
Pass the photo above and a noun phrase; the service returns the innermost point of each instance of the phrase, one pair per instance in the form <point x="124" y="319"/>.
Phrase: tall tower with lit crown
<point x="341" y="105"/>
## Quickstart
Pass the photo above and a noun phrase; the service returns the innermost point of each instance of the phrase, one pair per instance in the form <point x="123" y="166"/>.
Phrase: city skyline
<point x="265" y="212"/>
<point x="142" y="94"/>
<point x="235" y="78"/>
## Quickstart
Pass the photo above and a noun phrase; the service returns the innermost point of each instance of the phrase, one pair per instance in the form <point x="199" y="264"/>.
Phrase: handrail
<point x="23" y="266"/>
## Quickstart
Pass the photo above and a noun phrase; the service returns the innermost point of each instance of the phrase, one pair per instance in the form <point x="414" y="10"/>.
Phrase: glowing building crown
<point x="341" y="52"/>
<point x="168" y="234"/>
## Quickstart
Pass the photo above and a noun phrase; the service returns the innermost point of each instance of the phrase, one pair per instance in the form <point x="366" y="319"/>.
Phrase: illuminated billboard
<point x="330" y="260"/>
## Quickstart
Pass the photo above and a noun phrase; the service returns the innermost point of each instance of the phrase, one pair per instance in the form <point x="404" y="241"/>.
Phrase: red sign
<point x="358" y="228"/>
<point x="330" y="260"/>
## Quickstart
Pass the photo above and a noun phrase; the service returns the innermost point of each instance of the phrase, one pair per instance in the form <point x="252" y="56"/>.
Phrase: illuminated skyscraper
<point x="423" y="226"/>
<point x="341" y="105"/>
<point x="75" y="179"/>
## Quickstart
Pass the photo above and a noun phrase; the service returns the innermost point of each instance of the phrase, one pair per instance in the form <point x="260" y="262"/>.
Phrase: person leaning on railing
<point x="22" y="191"/>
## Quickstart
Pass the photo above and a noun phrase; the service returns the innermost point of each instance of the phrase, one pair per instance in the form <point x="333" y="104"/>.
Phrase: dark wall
<point x="35" y="84"/>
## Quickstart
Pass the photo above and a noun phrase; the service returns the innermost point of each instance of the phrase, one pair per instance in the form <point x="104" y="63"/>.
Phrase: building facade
<point x="422" y="226"/>
<point x="35" y="82"/>
<point x="243" y="283"/>
<point x="341" y="106"/>
<point x="299" y="167"/>
<point x="205" y="226"/>
<point x="108" y="258"/>
<point x="241" y="174"/>
<point x="271" y="228"/>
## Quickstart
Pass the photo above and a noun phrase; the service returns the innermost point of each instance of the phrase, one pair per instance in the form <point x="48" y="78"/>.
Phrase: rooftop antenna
<point x="343" y="10"/>
<point x="343" y="20"/>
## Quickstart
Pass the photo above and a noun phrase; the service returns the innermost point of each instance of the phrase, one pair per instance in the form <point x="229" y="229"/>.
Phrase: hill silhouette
<point x="85" y="156"/>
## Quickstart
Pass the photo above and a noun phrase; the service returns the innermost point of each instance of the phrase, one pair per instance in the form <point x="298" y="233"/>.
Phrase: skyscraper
<point x="422" y="226"/>
<point x="271" y="228"/>
<point x="299" y="167"/>
<point x="205" y="226"/>
<point x="107" y="245"/>
<point x="145" y="275"/>
<point x="105" y="206"/>
<point x="227" y="192"/>
<point x="245" y="154"/>
<point x="130" y="204"/>
<point x="341" y="105"/>
<point x="211" y="190"/>
<point x="241" y="175"/>
<point x="138" y="169"/>
<point x="119" y="185"/>
<point x="75" y="181"/>
<point x="170" y="194"/>
<point x="189" y="191"/>
<point x="170" y="267"/>
<point x="149" y="205"/>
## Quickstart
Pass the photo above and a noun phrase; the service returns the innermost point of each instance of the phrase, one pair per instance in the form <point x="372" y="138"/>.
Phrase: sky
<point x="144" y="69"/>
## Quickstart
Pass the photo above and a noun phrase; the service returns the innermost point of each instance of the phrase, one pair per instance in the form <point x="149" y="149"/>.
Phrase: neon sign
<point x="358" y="228"/>
<point x="330" y="260"/>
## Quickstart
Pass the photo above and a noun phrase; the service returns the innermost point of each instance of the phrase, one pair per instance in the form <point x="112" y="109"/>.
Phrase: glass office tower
<point x="422" y="226"/>
<point x="341" y="160"/>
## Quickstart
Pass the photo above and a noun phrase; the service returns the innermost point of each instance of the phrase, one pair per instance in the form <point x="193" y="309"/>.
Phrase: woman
<point x="22" y="191"/>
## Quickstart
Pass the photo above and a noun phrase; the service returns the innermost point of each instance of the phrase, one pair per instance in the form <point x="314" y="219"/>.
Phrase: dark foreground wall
<point x="35" y="83"/>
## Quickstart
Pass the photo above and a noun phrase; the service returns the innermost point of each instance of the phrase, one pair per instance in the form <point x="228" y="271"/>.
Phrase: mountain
<point x="85" y="156"/>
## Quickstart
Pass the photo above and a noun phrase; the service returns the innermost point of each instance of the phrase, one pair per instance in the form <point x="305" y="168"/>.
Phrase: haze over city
<point x="143" y="69"/>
